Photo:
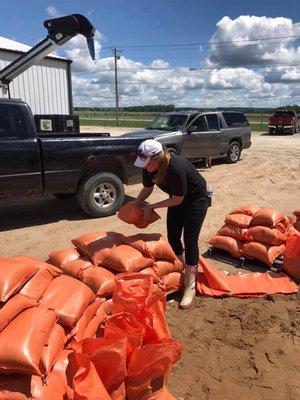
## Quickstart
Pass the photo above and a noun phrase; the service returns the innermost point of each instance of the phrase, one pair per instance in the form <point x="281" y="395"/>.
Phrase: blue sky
<point x="146" y="23"/>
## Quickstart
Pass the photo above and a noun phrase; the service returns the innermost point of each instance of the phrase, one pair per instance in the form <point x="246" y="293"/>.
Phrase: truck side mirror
<point x="192" y="128"/>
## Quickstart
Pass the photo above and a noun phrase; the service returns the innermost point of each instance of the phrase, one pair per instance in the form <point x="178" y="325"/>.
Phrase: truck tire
<point x="270" y="131"/>
<point x="64" y="196"/>
<point x="233" y="153"/>
<point x="101" y="195"/>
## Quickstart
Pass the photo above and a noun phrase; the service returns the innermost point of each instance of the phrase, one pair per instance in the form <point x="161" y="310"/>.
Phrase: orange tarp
<point x="215" y="283"/>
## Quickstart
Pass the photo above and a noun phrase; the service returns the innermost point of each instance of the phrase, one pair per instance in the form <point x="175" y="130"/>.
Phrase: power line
<point x="197" y="68"/>
<point x="205" y="43"/>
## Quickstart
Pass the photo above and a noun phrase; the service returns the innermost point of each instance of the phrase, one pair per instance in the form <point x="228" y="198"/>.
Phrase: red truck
<point x="285" y="121"/>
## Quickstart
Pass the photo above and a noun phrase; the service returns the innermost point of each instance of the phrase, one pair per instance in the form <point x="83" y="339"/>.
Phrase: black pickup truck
<point x="94" y="167"/>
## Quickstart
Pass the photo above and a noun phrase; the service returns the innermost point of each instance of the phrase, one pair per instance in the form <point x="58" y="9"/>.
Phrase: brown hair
<point x="162" y="168"/>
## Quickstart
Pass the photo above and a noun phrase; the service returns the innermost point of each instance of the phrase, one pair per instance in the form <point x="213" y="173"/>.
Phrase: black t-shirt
<point x="182" y="179"/>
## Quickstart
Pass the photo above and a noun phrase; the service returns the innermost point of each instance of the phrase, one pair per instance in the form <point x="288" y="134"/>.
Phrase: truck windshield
<point x="168" y="122"/>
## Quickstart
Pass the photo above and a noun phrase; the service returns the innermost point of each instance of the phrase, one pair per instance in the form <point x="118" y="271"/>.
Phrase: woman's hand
<point x="147" y="210"/>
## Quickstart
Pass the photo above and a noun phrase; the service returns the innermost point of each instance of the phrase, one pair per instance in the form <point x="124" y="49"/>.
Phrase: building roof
<point x="12" y="45"/>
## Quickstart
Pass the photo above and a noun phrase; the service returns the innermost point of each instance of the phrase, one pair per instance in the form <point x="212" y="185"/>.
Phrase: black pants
<point x="189" y="219"/>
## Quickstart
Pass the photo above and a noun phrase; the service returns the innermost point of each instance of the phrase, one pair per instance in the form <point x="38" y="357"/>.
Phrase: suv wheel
<point x="101" y="195"/>
<point x="233" y="153"/>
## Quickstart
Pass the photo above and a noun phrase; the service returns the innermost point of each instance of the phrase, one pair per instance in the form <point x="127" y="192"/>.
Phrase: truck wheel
<point x="63" y="196"/>
<point x="270" y="131"/>
<point x="233" y="153"/>
<point x="101" y="195"/>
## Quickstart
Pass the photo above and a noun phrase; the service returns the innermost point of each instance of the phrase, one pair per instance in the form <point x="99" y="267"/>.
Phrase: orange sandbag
<point x="132" y="292"/>
<point x="162" y="268"/>
<point x="94" y="324"/>
<point x="51" y="388"/>
<point x="262" y="252"/>
<point x="28" y="260"/>
<point x="237" y="232"/>
<point x="86" y="382"/>
<point x="126" y="258"/>
<point x="83" y="241"/>
<point x="13" y="275"/>
<point x="52" y="348"/>
<point x="267" y="235"/>
<point x="61" y="370"/>
<point x="68" y="297"/>
<point x="108" y="355"/>
<point x="171" y="281"/>
<point x="125" y="323"/>
<point x="150" y="271"/>
<point x="100" y="280"/>
<point x="22" y="341"/>
<point x="38" y="284"/>
<point x="241" y="220"/>
<point x="158" y="328"/>
<point x="267" y="217"/>
<point x="215" y="283"/>
<point x="14" y="307"/>
<point x="248" y="209"/>
<point x="291" y="257"/>
<point x="131" y="214"/>
<point x="98" y="245"/>
<point x="148" y="365"/>
<point x="80" y="328"/>
<point x="226" y="243"/>
<point x="152" y="245"/>
<point x="60" y="257"/>
<point x="75" y="268"/>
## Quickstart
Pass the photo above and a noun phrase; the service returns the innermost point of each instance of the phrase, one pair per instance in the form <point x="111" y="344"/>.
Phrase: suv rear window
<point x="235" y="119"/>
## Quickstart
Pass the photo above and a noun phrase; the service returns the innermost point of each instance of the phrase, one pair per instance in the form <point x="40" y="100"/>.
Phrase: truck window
<point x="13" y="122"/>
<point x="235" y="119"/>
<point x="212" y="121"/>
<point x="200" y="123"/>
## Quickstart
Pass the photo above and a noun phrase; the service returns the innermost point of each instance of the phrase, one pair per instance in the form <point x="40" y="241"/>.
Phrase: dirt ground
<point x="234" y="349"/>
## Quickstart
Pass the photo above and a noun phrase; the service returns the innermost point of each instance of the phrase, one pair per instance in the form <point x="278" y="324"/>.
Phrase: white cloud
<point x="52" y="11"/>
<point x="230" y="82"/>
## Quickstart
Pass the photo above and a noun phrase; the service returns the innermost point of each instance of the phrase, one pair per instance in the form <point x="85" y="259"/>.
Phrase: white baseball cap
<point x="147" y="149"/>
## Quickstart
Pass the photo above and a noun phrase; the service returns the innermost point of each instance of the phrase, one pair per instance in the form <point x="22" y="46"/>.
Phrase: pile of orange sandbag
<point x="98" y="257"/>
<point x="254" y="232"/>
<point x="48" y="325"/>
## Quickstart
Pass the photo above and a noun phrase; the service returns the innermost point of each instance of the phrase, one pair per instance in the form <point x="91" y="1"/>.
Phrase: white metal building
<point x="46" y="87"/>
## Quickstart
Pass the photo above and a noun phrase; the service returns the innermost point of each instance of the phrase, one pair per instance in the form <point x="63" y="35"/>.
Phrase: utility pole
<point x="117" y="55"/>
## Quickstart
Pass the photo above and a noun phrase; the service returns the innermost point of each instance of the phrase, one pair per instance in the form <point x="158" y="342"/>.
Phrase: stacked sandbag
<point x="110" y="254"/>
<point x="234" y="232"/>
<point x="267" y="233"/>
<point x="42" y="313"/>
<point x="253" y="232"/>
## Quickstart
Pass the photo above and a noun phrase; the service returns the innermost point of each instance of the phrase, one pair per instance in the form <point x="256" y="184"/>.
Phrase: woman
<point x="187" y="204"/>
